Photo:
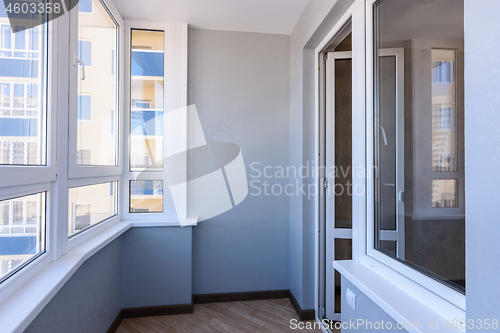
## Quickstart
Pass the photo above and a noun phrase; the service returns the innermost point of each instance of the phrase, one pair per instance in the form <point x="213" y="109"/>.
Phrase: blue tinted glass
<point x="85" y="6"/>
<point x="85" y="51"/>
<point x="20" y="35"/>
<point x="6" y="37"/>
<point x="147" y="123"/>
<point x="84" y="107"/>
<point x="19" y="95"/>
<point x="147" y="63"/>
<point x="34" y="32"/>
<point x="18" y="68"/>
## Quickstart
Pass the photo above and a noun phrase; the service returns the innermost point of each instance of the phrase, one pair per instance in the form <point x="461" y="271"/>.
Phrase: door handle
<point x="77" y="61"/>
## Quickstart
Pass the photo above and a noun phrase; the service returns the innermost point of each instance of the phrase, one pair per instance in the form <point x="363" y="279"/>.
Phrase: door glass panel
<point x="343" y="251"/>
<point x="146" y="142"/>
<point x="343" y="143"/>
<point x="97" y="90"/>
<point x="387" y="137"/>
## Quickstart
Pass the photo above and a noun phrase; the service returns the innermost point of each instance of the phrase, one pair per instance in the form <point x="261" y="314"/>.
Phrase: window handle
<point x="80" y="61"/>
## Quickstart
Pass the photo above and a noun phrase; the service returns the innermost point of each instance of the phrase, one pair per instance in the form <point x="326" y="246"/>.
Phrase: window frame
<point x="82" y="171"/>
<point x="15" y="175"/>
<point x="175" y="97"/>
<point x="436" y="295"/>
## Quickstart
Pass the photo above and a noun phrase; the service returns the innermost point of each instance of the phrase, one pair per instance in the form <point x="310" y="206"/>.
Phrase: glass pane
<point x="89" y="205"/>
<point x="146" y="196"/>
<point x="444" y="193"/>
<point x="418" y="137"/>
<point x="22" y="231"/>
<point x="343" y="251"/>
<point x="343" y="143"/>
<point x="97" y="91"/>
<point x="146" y="144"/>
<point x="444" y="135"/>
<point x="22" y="94"/>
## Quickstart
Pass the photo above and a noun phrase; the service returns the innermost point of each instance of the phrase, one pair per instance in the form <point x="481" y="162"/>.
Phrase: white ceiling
<point x="270" y="16"/>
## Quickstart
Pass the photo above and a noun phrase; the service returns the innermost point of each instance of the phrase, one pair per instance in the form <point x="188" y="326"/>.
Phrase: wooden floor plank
<point x="262" y="316"/>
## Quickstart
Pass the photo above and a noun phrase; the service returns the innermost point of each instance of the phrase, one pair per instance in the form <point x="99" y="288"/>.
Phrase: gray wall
<point x="157" y="266"/>
<point x="239" y="82"/>
<point x="317" y="20"/>
<point x="482" y="162"/>
<point x="367" y="311"/>
<point x="90" y="300"/>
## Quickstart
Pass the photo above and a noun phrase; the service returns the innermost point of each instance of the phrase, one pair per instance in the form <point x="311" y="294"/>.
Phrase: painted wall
<point x="367" y="315"/>
<point x="90" y="300"/>
<point x="482" y="163"/>
<point x="317" y="20"/>
<point x="156" y="266"/>
<point x="239" y="82"/>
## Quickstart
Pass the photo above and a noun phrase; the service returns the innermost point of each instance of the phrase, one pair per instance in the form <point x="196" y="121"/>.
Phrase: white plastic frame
<point x="175" y="97"/>
<point x="443" y="300"/>
<point x="437" y="296"/>
<point x="82" y="171"/>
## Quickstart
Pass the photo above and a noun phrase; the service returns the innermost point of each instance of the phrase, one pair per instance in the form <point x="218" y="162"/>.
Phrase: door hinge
<point x="401" y="196"/>
<point x="325" y="56"/>
<point x="325" y="184"/>
<point x="324" y="312"/>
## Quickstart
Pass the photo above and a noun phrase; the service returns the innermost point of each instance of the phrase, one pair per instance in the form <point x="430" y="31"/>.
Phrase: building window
<point x="85" y="6"/>
<point x="84" y="107"/>
<point x="418" y="142"/>
<point x="85" y="52"/>
<point x="84" y="157"/>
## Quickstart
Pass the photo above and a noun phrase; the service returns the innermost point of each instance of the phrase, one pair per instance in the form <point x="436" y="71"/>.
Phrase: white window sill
<point x="398" y="304"/>
<point x="20" y="309"/>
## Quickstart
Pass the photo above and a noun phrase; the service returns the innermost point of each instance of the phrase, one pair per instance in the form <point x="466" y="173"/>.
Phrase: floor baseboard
<point x="149" y="311"/>
<point x="303" y="314"/>
<point x="240" y="296"/>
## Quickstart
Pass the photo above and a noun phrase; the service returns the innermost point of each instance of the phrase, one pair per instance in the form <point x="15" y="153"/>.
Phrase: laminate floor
<point x="264" y="316"/>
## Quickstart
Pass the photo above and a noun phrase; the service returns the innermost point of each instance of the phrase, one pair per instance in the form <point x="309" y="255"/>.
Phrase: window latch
<point x="325" y="184"/>
<point x="77" y="62"/>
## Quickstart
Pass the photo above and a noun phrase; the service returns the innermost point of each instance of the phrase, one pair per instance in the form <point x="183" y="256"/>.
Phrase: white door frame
<point x="331" y="232"/>
<point x="398" y="235"/>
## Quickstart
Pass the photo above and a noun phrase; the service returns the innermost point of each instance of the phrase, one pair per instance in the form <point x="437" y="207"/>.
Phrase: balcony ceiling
<point x="268" y="16"/>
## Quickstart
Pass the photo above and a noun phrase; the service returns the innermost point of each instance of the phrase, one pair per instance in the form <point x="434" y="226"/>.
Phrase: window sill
<point x="394" y="301"/>
<point x="20" y="309"/>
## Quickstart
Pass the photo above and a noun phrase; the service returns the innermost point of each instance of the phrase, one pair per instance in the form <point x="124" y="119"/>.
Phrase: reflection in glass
<point x="97" y="93"/>
<point x="22" y="91"/>
<point x="22" y="231"/>
<point x="443" y="110"/>
<point x="146" y="196"/>
<point x="146" y="150"/>
<point x="419" y="176"/>
<point x="444" y="193"/>
<point x="91" y="204"/>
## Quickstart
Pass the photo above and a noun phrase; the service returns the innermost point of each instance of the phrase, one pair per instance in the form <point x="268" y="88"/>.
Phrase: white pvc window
<point x="415" y="156"/>
<point x="94" y="92"/>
